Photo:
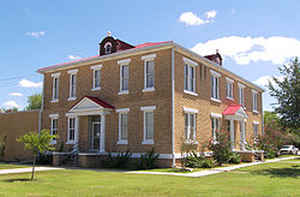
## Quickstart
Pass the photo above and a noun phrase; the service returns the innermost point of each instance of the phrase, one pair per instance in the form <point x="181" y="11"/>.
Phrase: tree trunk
<point x="33" y="167"/>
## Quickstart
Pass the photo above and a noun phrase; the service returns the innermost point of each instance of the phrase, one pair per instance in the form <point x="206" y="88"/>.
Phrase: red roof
<point x="147" y="44"/>
<point x="231" y="109"/>
<point x="96" y="100"/>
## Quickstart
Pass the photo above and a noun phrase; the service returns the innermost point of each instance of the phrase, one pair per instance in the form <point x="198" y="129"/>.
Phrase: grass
<point x="4" y="166"/>
<point x="270" y="179"/>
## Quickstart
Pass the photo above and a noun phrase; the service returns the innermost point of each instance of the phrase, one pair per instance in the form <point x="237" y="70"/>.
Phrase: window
<point x="229" y="88"/>
<point x="148" y="124"/>
<point x="255" y="129"/>
<point x="190" y="76"/>
<point x="96" y="77"/>
<point x="215" y="83"/>
<point x="215" y="126"/>
<point x="124" y="75"/>
<point x="254" y="101"/>
<point x="107" y="48"/>
<point x="55" y="87"/>
<point x="123" y="126"/>
<point x="190" y="124"/>
<point x="149" y="72"/>
<point x="72" y="93"/>
<point x="54" y="126"/>
<point x="71" y="130"/>
<point x="241" y="94"/>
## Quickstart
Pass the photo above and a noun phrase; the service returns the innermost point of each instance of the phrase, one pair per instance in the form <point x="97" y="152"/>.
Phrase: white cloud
<point x="30" y="84"/>
<point x="35" y="34"/>
<point x="191" y="19"/>
<point x="211" y="14"/>
<point x="244" y="50"/>
<point x="264" y="80"/>
<point x="11" y="104"/>
<point x="16" y="94"/>
<point x="73" y="57"/>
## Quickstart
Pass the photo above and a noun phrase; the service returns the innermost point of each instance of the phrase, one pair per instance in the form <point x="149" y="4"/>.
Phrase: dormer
<point x="111" y="45"/>
<point x="217" y="58"/>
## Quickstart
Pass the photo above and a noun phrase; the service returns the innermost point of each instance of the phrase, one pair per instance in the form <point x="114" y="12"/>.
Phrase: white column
<point x="76" y="129"/>
<point x="232" y="134"/>
<point x="102" y="133"/>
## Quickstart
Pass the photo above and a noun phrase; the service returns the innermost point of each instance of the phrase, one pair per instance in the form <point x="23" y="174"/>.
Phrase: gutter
<point x="173" y="108"/>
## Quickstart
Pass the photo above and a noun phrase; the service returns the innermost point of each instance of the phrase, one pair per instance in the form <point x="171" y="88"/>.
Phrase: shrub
<point x="2" y="146"/>
<point x="44" y="159"/>
<point x="195" y="161"/>
<point x="148" y="160"/>
<point x="235" y="158"/>
<point x="121" y="160"/>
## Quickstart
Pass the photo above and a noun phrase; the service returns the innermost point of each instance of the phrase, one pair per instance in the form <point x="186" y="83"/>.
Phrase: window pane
<point x="149" y="125"/>
<point x="186" y="77"/>
<point x="97" y="78"/>
<point x="124" y="129"/>
<point x="149" y="74"/>
<point x="186" y="125"/>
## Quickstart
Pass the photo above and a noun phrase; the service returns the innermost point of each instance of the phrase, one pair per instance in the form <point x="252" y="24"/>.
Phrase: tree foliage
<point x="34" y="102"/>
<point x="37" y="143"/>
<point x="287" y="94"/>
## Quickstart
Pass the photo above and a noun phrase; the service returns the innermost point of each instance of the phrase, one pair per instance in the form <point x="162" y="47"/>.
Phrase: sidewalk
<point x="212" y="171"/>
<point x="26" y="170"/>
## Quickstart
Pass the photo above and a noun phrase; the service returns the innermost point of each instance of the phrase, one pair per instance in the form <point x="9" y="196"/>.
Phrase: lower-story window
<point x="255" y="129"/>
<point x="215" y="125"/>
<point x="148" y="124"/>
<point x="123" y="126"/>
<point x="53" y="126"/>
<point x="190" y="126"/>
<point x="71" y="130"/>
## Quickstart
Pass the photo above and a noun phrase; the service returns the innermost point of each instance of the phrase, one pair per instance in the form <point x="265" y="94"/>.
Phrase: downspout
<point x="42" y="107"/>
<point x="262" y="115"/>
<point x="173" y="109"/>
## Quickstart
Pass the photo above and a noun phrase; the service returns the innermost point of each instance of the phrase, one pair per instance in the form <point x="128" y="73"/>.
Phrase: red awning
<point x="232" y="109"/>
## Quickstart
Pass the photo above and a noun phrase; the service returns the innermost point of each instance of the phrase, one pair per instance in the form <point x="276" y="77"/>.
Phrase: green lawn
<point x="272" y="179"/>
<point x="11" y="166"/>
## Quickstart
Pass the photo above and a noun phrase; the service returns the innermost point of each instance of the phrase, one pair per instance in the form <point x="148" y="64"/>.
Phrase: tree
<point x="37" y="143"/>
<point x="34" y="102"/>
<point x="271" y="120"/>
<point x="287" y="93"/>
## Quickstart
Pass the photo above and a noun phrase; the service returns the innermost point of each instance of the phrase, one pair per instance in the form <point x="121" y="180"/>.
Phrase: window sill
<point x="122" y="142"/>
<point x="72" y="98"/>
<point x="229" y="98"/>
<point x="148" y="142"/>
<point x="216" y="100"/>
<point x="123" y="92"/>
<point x="255" y="112"/>
<point x="70" y="142"/>
<point x="95" y="89"/>
<point x="54" y="101"/>
<point x="190" y="92"/>
<point x="149" y="89"/>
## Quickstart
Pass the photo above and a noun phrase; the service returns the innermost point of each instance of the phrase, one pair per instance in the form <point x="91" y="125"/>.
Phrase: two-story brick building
<point x="151" y="95"/>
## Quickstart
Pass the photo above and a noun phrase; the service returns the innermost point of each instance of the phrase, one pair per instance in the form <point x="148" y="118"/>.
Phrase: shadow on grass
<point x="17" y="180"/>
<point x="280" y="172"/>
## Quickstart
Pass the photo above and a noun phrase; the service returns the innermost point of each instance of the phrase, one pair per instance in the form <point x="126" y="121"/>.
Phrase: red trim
<point x="96" y="100"/>
<point x="148" y="44"/>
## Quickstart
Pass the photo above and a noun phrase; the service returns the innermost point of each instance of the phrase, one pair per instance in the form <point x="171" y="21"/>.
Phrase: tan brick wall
<point x="14" y="125"/>
<point x="205" y="105"/>
<point x="110" y="86"/>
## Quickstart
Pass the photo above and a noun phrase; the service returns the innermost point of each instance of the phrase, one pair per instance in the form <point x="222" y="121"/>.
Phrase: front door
<point x="95" y="133"/>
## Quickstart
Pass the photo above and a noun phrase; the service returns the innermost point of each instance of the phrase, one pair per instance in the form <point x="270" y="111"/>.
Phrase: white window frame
<point x="75" y="130"/>
<point x="146" y="59"/>
<point x="122" y="64"/>
<point x="94" y="69"/>
<point x="53" y="117"/>
<point x="255" y="125"/>
<point x="188" y="112"/>
<point x="72" y="95"/>
<point x="146" y="109"/>
<point x="216" y="127"/>
<point x="229" y="88"/>
<point x="215" y="88"/>
<point x="190" y="64"/>
<point x="241" y="94"/>
<point x="55" y="92"/>
<point x="122" y="112"/>
<point x="105" y="48"/>
<point x="254" y="101"/>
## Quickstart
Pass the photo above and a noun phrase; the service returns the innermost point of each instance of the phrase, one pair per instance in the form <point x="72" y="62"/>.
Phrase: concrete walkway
<point x="26" y="170"/>
<point x="212" y="171"/>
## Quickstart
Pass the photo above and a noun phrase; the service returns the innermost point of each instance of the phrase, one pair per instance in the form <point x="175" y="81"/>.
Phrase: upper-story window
<point x="229" y="88"/>
<point x="241" y="94"/>
<point x="190" y="128"/>
<point x="55" y="87"/>
<point x="123" y="125"/>
<point x="96" y="77"/>
<point x="148" y="124"/>
<point x="215" y="86"/>
<point x="72" y="85"/>
<point x="124" y="75"/>
<point x="190" y="76"/>
<point x="107" y="48"/>
<point x="254" y="101"/>
<point x="149" y="72"/>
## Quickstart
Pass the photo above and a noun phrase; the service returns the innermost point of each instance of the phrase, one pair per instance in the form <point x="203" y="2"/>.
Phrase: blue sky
<point x="255" y="37"/>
